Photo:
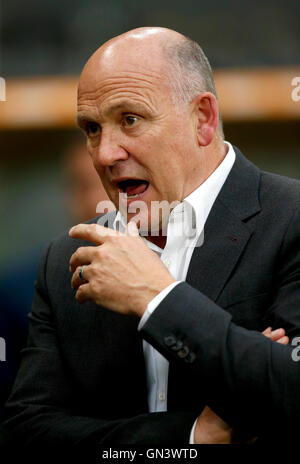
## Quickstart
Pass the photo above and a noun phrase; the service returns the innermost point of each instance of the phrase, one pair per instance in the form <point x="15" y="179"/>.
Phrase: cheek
<point x="93" y="149"/>
<point x="90" y="148"/>
<point x="165" y="171"/>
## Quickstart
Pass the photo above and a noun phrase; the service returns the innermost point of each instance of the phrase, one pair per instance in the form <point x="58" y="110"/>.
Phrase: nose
<point x="109" y="150"/>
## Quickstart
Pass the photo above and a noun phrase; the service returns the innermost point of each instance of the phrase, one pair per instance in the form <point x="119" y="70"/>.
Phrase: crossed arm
<point x="209" y="427"/>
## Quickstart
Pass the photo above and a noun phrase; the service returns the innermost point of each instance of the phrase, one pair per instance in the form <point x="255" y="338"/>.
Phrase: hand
<point x="210" y="428"/>
<point x="277" y="335"/>
<point x="121" y="272"/>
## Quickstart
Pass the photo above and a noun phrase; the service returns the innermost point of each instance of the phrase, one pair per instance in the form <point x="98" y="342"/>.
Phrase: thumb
<point x="131" y="229"/>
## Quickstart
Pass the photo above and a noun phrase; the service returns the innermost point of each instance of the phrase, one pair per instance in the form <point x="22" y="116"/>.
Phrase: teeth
<point x="131" y="196"/>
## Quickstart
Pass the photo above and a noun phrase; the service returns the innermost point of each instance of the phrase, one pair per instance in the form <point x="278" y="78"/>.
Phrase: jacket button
<point x="178" y="345"/>
<point x="170" y="340"/>
<point x="183" y="352"/>
<point x="190" y="357"/>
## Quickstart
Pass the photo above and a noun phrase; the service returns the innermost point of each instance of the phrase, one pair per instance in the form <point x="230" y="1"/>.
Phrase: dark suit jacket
<point x="82" y="377"/>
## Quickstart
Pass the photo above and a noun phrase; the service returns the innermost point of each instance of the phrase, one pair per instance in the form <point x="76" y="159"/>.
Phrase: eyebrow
<point x="81" y="118"/>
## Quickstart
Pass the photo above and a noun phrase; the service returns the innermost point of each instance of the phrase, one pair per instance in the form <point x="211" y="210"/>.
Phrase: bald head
<point x="137" y="50"/>
<point x="164" y="54"/>
<point x="153" y="37"/>
<point x="137" y="44"/>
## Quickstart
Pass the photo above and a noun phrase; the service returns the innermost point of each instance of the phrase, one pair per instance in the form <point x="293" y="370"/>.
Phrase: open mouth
<point x="132" y="187"/>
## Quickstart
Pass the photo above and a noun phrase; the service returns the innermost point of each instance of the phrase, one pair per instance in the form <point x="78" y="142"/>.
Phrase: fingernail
<point x="71" y="230"/>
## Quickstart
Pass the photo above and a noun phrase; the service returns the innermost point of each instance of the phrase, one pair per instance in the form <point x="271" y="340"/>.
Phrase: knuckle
<point x="114" y="238"/>
<point x="103" y="253"/>
<point x="92" y="269"/>
<point x="98" y="252"/>
<point x="94" y="286"/>
<point x="79" y="252"/>
<point x="79" y="294"/>
<point x="91" y="228"/>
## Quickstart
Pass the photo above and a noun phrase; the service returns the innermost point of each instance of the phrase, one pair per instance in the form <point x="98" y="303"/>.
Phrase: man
<point x="142" y="356"/>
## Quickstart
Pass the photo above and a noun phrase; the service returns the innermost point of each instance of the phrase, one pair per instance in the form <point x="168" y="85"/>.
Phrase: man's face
<point x="140" y="146"/>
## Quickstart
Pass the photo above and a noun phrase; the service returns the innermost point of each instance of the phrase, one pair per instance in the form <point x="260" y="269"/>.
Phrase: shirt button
<point x="161" y="396"/>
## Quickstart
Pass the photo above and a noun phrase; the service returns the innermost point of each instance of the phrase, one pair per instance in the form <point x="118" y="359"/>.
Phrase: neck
<point x="215" y="154"/>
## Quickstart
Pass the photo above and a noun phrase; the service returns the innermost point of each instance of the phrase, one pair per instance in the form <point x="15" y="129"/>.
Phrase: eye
<point x="129" y="120"/>
<point x="92" y="128"/>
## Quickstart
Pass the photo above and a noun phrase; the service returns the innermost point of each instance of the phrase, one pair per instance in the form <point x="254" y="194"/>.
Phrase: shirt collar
<point x="202" y="199"/>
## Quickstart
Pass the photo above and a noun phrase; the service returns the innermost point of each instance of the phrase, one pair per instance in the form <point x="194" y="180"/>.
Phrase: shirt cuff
<point x="155" y="302"/>
<point x="191" y="442"/>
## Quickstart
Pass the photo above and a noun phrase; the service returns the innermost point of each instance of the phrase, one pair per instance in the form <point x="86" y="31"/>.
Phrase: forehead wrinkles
<point x="148" y="87"/>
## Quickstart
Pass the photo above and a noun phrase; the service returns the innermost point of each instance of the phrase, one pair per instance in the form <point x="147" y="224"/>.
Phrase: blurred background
<point x="253" y="48"/>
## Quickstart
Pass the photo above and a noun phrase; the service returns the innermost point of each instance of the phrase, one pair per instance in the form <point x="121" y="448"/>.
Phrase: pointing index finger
<point x="92" y="233"/>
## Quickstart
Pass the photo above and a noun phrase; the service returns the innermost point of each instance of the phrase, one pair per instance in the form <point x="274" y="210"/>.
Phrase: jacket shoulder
<point x="279" y="190"/>
<point x="65" y="242"/>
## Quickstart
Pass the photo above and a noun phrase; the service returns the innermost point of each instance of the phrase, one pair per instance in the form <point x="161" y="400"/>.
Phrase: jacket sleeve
<point x="40" y="410"/>
<point x="250" y="381"/>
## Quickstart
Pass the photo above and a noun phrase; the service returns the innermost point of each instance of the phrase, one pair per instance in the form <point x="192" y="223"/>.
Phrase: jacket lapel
<point x="227" y="230"/>
<point x="225" y="237"/>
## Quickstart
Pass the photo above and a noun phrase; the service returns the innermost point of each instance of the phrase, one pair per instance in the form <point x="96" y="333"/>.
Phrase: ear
<point x="207" y="117"/>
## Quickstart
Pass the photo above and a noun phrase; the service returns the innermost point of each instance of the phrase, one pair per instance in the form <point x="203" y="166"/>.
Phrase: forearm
<point x="41" y="425"/>
<point x="247" y="378"/>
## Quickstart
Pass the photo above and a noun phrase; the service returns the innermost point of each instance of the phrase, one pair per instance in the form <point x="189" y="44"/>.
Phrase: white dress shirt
<point x="185" y="230"/>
